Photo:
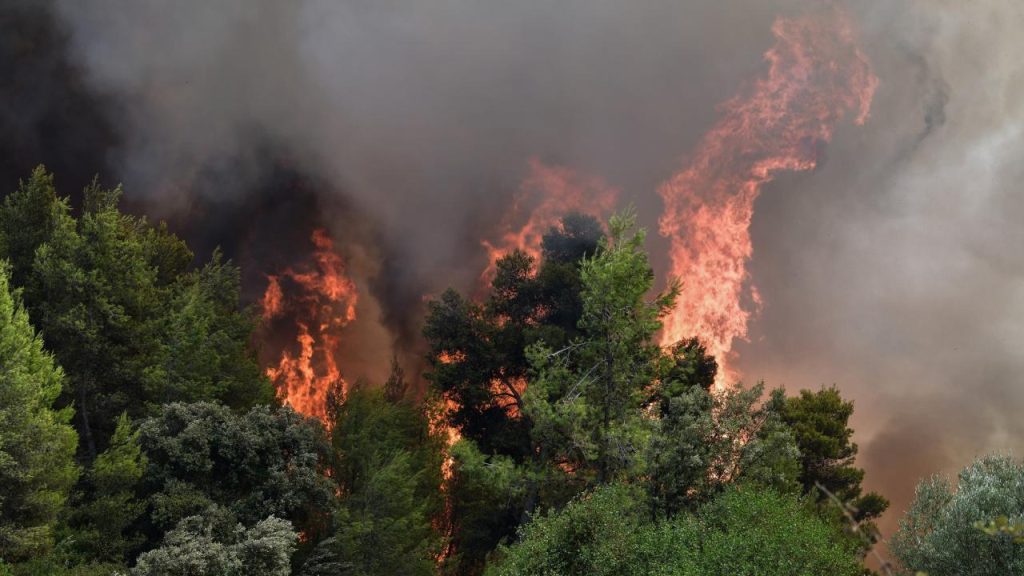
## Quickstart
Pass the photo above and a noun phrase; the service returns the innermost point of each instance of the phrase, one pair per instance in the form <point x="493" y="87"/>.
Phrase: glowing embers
<point x="313" y="302"/>
<point x="817" y="76"/>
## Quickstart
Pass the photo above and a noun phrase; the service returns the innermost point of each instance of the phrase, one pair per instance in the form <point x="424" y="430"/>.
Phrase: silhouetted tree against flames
<point x="479" y="365"/>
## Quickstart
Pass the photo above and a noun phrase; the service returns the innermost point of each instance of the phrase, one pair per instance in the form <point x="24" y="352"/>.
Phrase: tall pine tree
<point x="586" y="398"/>
<point x="37" y="443"/>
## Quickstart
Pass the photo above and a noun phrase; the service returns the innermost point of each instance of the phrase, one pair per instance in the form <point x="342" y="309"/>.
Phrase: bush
<point x="746" y="531"/>
<point x="939" y="533"/>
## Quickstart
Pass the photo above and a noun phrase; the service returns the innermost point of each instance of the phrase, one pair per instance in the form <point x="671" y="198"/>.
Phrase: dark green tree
<point x="266" y="462"/>
<point x="689" y="367"/>
<point x="387" y="466"/>
<point x="477" y="352"/>
<point x="101" y="527"/>
<point x="585" y="399"/>
<point x="479" y="366"/>
<point x="117" y="306"/>
<point x="487" y="499"/>
<point x="37" y="443"/>
<point x="578" y="236"/>
<point x="28" y="218"/>
<point x="819" y="422"/>
<point x="214" y="544"/>
<point x="95" y="297"/>
<point x="204" y="338"/>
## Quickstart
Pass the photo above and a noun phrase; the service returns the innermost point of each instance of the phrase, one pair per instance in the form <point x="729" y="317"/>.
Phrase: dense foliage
<point x="602" y="404"/>
<point x="743" y="532"/>
<point x="139" y="436"/>
<point x="387" y="467"/>
<point x="265" y="462"/>
<point x="214" y="544"/>
<point x="37" y="444"/>
<point x="122" y="312"/>
<point x="942" y="532"/>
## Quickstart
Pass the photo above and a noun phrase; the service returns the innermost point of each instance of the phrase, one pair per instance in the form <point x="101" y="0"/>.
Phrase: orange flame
<point x="547" y="193"/>
<point x="324" y="303"/>
<point x="817" y="76"/>
<point x="440" y="426"/>
<point x="451" y="436"/>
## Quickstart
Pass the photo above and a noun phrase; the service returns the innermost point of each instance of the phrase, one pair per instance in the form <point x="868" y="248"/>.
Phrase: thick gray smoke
<point x="894" y="270"/>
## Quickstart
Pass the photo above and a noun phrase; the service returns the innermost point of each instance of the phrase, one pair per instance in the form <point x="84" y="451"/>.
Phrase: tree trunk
<point x="83" y="416"/>
<point x="606" y="421"/>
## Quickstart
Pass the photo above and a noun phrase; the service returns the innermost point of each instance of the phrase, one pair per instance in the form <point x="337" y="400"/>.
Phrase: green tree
<point x="706" y="441"/>
<point x="213" y="544"/>
<point x="603" y="533"/>
<point x="101" y="522"/>
<point x="28" y="218"/>
<point x="585" y="399"/>
<point x="37" y="443"/>
<point x="266" y="462"/>
<point x="745" y="531"/>
<point x="94" y="295"/>
<point x="755" y="532"/>
<point x="116" y="304"/>
<point x="819" y="422"/>
<point x="383" y="530"/>
<point x="940" y="535"/>
<point x="486" y="499"/>
<point x="689" y="366"/>
<point x="205" y="352"/>
<point x="478" y="364"/>
<point x="387" y="466"/>
<point x="477" y="352"/>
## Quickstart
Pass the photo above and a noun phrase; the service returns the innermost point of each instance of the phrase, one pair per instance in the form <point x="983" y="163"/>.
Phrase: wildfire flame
<point x="451" y="436"/>
<point x="817" y="75"/>
<point x="321" y="300"/>
<point x="547" y="194"/>
<point x="450" y="433"/>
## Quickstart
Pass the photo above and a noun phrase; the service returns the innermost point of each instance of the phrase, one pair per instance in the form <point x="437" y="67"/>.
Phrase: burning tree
<point x="315" y="302"/>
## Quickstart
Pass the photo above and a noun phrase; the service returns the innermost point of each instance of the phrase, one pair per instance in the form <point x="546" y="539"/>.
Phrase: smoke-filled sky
<point x="895" y="270"/>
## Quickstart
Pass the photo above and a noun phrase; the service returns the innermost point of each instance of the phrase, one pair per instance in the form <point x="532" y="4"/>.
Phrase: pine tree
<point x="37" y="443"/>
<point x="819" y="422"/>
<point x="388" y="470"/>
<point x="119" y="308"/>
<point x="586" y="398"/>
<point x="101" y="523"/>
<point x="28" y="219"/>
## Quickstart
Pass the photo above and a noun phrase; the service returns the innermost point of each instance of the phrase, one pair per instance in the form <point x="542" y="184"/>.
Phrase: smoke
<point x="47" y="115"/>
<point x="423" y="115"/>
<point x="894" y="270"/>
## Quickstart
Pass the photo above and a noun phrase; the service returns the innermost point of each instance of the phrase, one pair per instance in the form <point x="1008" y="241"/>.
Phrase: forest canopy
<point x="140" y="435"/>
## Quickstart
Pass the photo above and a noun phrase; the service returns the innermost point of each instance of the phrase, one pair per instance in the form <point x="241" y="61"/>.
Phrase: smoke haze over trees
<point x="556" y="435"/>
<point x="892" y="271"/>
